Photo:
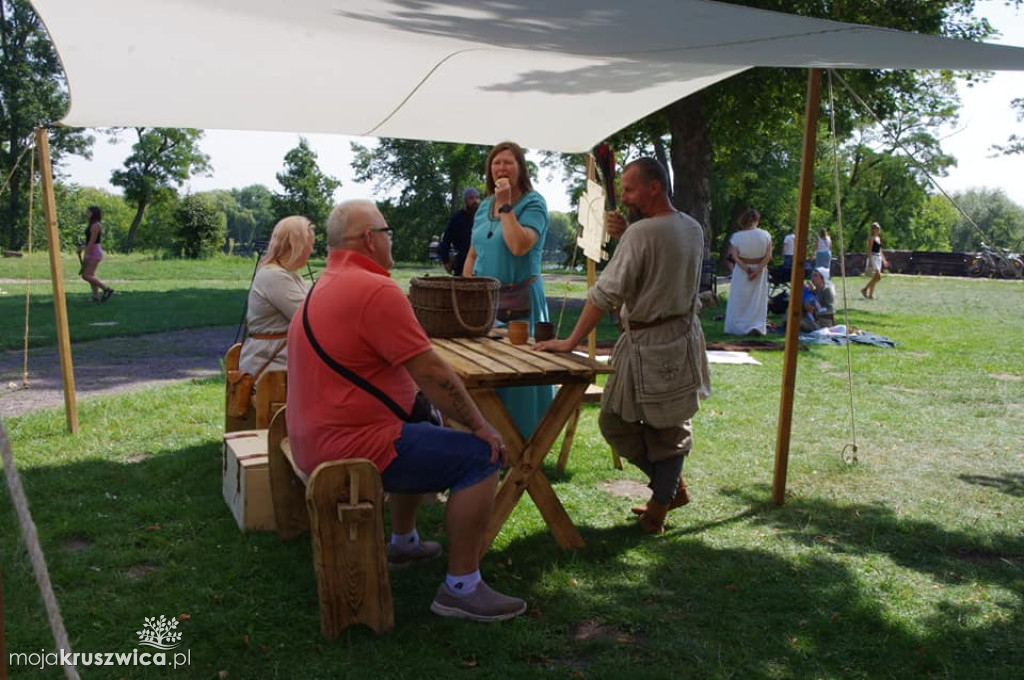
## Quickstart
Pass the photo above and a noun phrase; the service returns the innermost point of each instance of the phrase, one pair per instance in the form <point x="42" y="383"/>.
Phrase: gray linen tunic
<point x="275" y="295"/>
<point x="655" y="273"/>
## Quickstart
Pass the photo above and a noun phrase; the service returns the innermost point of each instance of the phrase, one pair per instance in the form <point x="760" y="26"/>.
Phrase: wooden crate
<point x="246" y="480"/>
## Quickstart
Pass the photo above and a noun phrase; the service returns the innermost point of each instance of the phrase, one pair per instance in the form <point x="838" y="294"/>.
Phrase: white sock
<point x="406" y="542"/>
<point x="463" y="585"/>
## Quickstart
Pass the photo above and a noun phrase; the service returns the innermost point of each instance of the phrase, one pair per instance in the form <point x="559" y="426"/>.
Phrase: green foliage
<point x="252" y="215"/>
<point x="429" y="178"/>
<point x="1015" y="142"/>
<point x="201" y="226"/>
<point x="560" y="243"/>
<point x="931" y="228"/>
<point x="307" y="190"/>
<point x="1000" y="221"/>
<point x="160" y="162"/>
<point x="33" y="92"/>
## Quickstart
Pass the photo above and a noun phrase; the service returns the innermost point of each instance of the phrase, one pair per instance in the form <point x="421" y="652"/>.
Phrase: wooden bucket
<point x="454" y="306"/>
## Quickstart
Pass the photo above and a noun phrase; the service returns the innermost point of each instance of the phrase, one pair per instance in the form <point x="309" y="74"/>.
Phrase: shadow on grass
<point x="1012" y="483"/>
<point x="150" y="534"/>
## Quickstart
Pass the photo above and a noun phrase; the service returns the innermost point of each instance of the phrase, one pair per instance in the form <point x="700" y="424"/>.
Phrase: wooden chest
<point x="246" y="480"/>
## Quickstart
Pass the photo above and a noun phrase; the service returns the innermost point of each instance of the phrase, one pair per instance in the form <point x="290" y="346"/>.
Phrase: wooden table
<point x="486" y="363"/>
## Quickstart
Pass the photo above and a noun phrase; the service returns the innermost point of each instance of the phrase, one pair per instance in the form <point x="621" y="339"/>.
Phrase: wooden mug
<point x="518" y="332"/>
<point x="543" y="330"/>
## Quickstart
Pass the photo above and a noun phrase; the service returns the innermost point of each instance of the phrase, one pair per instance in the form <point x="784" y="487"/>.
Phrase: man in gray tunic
<point x="660" y="361"/>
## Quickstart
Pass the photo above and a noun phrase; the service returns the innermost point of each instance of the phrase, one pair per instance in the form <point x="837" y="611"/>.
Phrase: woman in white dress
<point x="277" y="291"/>
<point x="750" y="250"/>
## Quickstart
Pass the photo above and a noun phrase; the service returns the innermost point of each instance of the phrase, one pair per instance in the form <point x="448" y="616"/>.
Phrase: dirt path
<point x="117" y="365"/>
<point x="111" y="366"/>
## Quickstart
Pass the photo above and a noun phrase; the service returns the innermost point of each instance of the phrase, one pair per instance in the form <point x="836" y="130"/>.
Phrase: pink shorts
<point x="93" y="252"/>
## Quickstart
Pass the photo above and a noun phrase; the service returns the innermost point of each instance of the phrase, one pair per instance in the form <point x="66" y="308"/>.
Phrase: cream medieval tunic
<point x="654" y="274"/>
<point x="275" y="295"/>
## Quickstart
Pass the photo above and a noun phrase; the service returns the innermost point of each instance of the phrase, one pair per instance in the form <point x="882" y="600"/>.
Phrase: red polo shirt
<point x="364" y="321"/>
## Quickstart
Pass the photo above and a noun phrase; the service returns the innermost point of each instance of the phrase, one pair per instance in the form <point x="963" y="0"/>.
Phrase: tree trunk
<point x="691" y="162"/>
<point x="129" y="242"/>
<point x="14" y="210"/>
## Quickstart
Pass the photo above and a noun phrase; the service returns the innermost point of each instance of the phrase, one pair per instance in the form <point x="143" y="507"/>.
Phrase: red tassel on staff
<point x="605" y="160"/>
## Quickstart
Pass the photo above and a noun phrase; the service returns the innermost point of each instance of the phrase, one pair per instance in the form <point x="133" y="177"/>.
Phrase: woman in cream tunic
<point x="277" y="291"/>
<point x="750" y="250"/>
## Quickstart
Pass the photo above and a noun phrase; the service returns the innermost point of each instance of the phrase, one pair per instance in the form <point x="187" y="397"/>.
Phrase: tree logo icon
<point x="160" y="632"/>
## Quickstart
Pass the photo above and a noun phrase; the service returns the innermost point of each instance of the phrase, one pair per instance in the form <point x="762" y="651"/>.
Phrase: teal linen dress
<point x="526" y="405"/>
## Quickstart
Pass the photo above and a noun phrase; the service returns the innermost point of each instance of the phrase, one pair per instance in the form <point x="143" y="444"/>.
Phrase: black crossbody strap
<point x="344" y="372"/>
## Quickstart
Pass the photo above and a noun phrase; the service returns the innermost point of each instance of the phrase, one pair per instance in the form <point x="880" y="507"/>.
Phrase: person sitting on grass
<point x="818" y="302"/>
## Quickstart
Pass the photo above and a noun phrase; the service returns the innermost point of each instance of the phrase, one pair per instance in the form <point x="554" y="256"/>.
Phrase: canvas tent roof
<point x="550" y="74"/>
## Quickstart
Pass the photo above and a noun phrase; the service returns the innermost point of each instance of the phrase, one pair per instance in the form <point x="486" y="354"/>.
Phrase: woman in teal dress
<point x="507" y="243"/>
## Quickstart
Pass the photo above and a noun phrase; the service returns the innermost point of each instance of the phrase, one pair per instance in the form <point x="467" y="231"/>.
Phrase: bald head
<point x="348" y="221"/>
<point x="358" y="225"/>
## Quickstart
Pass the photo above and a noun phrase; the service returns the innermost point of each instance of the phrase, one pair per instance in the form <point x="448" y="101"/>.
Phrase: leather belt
<point x="640" y="325"/>
<point x="268" y="336"/>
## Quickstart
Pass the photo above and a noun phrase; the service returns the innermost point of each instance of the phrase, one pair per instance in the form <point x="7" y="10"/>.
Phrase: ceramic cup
<point x="543" y="330"/>
<point x="518" y="332"/>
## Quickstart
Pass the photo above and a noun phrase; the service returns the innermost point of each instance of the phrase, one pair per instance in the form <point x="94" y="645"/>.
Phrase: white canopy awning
<point x="549" y="74"/>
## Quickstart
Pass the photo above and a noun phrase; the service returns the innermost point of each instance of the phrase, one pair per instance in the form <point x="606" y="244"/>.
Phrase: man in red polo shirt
<point x="362" y="320"/>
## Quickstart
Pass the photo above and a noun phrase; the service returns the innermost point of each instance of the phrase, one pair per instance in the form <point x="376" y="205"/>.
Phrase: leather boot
<point x="653" y="519"/>
<point x="681" y="498"/>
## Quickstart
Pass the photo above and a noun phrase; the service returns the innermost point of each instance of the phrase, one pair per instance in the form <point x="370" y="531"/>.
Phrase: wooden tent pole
<point x="796" y="284"/>
<point x="60" y="308"/>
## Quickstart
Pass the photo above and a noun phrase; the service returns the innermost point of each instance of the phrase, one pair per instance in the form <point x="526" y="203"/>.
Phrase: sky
<point x="239" y="159"/>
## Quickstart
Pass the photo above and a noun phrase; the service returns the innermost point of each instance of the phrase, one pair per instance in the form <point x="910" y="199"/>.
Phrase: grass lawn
<point x="908" y="564"/>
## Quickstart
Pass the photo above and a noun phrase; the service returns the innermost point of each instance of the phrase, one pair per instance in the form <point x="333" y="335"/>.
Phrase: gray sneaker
<point x="400" y="559"/>
<point x="483" y="604"/>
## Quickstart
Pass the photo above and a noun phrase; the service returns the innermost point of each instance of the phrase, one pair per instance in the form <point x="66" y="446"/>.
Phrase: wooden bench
<point x="341" y="504"/>
<point x="270" y="394"/>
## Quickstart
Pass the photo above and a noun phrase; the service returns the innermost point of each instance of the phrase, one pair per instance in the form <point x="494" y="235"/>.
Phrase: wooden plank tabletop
<point x="491" y="362"/>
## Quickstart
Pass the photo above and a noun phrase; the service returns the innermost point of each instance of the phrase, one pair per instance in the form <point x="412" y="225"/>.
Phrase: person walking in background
<point x="434" y="251"/>
<point x="876" y="260"/>
<point x="277" y="291"/>
<point x="507" y="244"/>
<point x="788" y="244"/>
<point x="750" y="250"/>
<point x="654" y="276"/>
<point x="823" y="253"/>
<point x="92" y="254"/>
<point x="458" y="233"/>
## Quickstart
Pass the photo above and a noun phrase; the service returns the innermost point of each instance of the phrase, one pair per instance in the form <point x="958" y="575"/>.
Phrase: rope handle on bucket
<point x="458" y="317"/>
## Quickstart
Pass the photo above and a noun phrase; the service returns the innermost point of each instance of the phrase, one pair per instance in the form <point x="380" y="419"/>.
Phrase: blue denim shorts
<point x="432" y="458"/>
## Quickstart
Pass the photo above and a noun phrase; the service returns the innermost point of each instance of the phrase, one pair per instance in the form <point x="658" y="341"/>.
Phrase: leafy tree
<point x="201" y="226"/>
<point x="931" y="228"/>
<point x="161" y="161"/>
<point x="307" y="190"/>
<point x="1015" y="143"/>
<point x="1000" y="221"/>
<point x="158" y="231"/>
<point x="738" y="142"/>
<point x="253" y="215"/>
<point x="428" y="177"/>
<point x="33" y="92"/>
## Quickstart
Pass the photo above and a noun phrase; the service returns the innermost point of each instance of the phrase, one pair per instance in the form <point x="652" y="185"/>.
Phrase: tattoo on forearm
<point x="462" y="408"/>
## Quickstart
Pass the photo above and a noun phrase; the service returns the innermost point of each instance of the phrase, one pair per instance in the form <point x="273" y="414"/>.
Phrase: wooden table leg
<point x="570" y="434"/>
<point x="525" y="462"/>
